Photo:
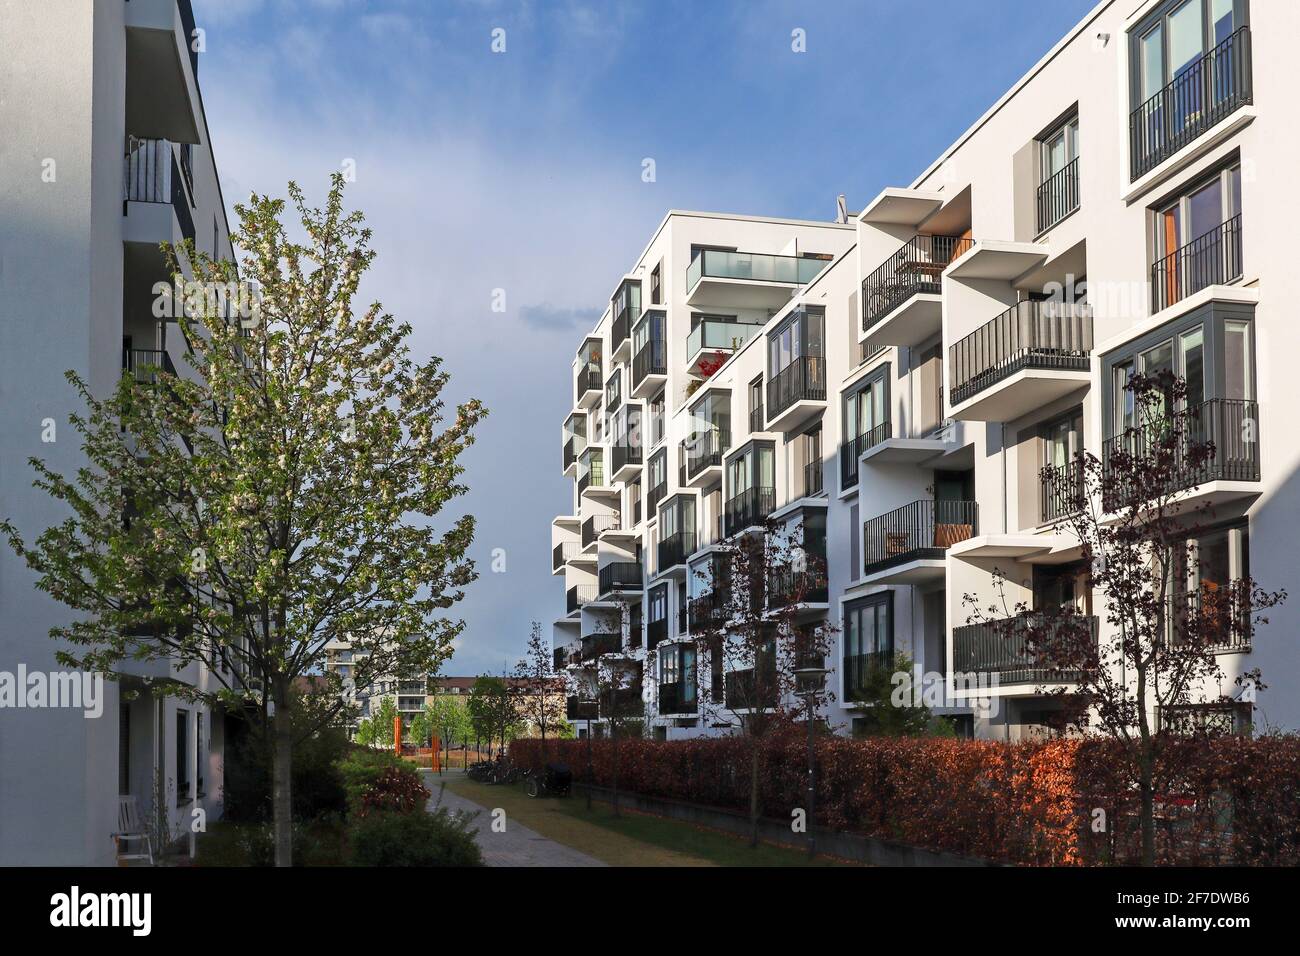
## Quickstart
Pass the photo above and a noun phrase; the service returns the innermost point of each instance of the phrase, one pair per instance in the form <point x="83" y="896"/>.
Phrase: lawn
<point x="632" y="839"/>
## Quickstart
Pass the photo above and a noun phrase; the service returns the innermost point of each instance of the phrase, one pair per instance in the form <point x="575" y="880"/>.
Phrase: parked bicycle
<point x="554" y="780"/>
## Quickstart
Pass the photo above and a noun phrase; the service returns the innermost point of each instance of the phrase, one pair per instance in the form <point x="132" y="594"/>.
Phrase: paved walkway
<point x="517" y="845"/>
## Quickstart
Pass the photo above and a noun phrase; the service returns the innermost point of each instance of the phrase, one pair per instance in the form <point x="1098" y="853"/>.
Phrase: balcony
<point x="153" y="176"/>
<point x="796" y="393"/>
<point x="677" y="699"/>
<point x="589" y="386"/>
<point x="907" y="545"/>
<point x="999" y="648"/>
<point x="162" y="70"/>
<point x="601" y="643"/>
<point x="626" y="309"/>
<point x="1227" y="428"/>
<point x="147" y="366"/>
<point x="789" y="587"/>
<point x="626" y="455"/>
<point x="562" y="657"/>
<point x="743" y="692"/>
<point x="562" y="554"/>
<point x="655" y="631"/>
<point x="622" y="702"/>
<point x="812" y="478"/>
<point x="653" y="497"/>
<point x="749" y="509"/>
<point x="747" y="280"/>
<point x="621" y="576"/>
<point x="591" y="472"/>
<point x="1060" y="491"/>
<point x="852" y="450"/>
<point x="1191" y="104"/>
<point x="757" y="419"/>
<point x="1211" y="259"/>
<point x="1058" y="196"/>
<point x="649" y="367"/>
<point x="901" y="300"/>
<point x="596" y="525"/>
<point x="1026" y="358"/>
<point x="579" y="708"/>
<point x="712" y="340"/>
<point x="707" y="610"/>
<point x="580" y="594"/>
<point x="702" y="452"/>
<point x="675" y="549"/>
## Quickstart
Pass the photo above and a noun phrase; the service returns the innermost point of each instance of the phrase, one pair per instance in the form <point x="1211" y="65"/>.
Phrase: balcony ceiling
<point x="158" y="104"/>
<point x="726" y="293"/>
<point x="897" y="206"/>
<point x="906" y="451"/>
<point x="918" y="318"/>
<point x="997" y="259"/>
<point x="1020" y="394"/>
<point x="1029" y="548"/>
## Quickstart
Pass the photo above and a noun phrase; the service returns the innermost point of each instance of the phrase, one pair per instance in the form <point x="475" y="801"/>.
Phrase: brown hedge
<point x="1229" y="800"/>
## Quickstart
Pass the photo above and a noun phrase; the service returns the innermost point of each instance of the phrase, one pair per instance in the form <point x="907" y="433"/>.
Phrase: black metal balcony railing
<point x="682" y="615"/>
<point x="921" y="530"/>
<point x="655" y="631"/>
<point x="621" y="576"/>
<point x="1211" y="259"/>
<point x="562" y="657"/>
<point x="594" y="645"/>
<point x="578" y="708"/>
<point x="1001" y="648"/>
<point x="1193" y="102"/>
<point x="1058" y="195"/>
<point x="580" y="594"/>
<point x="620" y="328"/>
<point x="852" y="450"/>
<point x="805" y="587"/>
<point x="1222" y="615"/>
<point x="595" y="526"/>
<point x="743" y="692"/>
<point x="804" y="379"/>
<point x="1041" y="335"/>
<point x="812" y="478"/>
<point x="749" y="508"/>
<point x="622" y="703"/>
<point x="572" y="449"/>
<point x="653" y="497"/>
<point x="627" y="451"/>
<point x="636" y="512"/>
<point x="912" y="270"/>
<point x="151" y="174"/>
<point x="1230" y="426"/>
<point x="675" y="549"/>
<point x="145" y="365"/>
<point x="1061" y="489"/>
<point x="589" y="380"/>
<point x="705" y="450"/>
<point x="651" y="359"/>
<point x="862" y="670"/>
<point x="707" y="610"/>
<point x="563" y="553"/>
<point x="757" y="419"/>
<point x="677" y="699"/>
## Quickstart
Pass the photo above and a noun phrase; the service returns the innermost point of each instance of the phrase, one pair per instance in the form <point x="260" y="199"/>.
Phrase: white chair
<point x="130" y="826"/>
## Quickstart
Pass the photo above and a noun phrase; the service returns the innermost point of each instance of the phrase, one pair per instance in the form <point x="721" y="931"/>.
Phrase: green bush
<point x="440" y="838"/>
<point x="368" y="775"/>
<point x="321" y="842"/>
<point x="316" y="786"/>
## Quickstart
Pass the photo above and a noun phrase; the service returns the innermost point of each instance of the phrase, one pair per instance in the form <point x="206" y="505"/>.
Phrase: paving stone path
<point x="518" y="845"/>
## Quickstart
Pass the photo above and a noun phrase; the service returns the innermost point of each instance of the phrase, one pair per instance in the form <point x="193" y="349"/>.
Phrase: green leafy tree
<point x="282" y="491"/>
<point x="449" y="720"/>
<point x="492" y="710"/>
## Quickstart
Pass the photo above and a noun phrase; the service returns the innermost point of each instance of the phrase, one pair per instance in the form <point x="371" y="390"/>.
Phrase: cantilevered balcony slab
<point x="1019" y="394"/>
<point x="916" y="319"/>
<point x="746" y="280"/>
<point x="906" y="451"/>
<point x="1028" y="548"/>
<point x="997" y="259"/>
<point x="898" y="206"/>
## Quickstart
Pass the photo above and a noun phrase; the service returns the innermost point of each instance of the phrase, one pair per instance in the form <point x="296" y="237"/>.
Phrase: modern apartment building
<point x="105" y="155"/>
<point x="1117" y="210"/>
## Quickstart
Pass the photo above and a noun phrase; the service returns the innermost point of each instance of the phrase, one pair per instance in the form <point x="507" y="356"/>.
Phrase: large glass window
<point x="868" y="640"/>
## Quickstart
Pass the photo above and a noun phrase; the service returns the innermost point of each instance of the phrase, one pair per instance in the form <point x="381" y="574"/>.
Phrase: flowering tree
<point x="752" y="628"/>
<point x="534" y="688"/>
<point x="281" y="497"/>
<point x="1168" y="617"/>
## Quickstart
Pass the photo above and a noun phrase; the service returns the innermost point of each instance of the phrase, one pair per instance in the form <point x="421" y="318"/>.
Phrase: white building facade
<point x="106" y="154"/>
<point x="903" y="381"/>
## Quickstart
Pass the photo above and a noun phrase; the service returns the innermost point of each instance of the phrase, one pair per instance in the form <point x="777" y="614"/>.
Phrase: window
<point x="1058" y="174"/>
<point x="658" y="603"/>
<point x="800" y="336"/>
<point x="656" y="422"/>
<point x="614" y="391"/>
<point x="1059" y="148"/>
<point x="1204" y="573"/>
<point x="866" y="421"/>
<point x="123" y="749"/>
<point x="656" y="285"/>
<point x="1188" y="69"/>
<point x="868" y="641"/>
<point x="658" y="473"/>
<point x="182" y="756"/>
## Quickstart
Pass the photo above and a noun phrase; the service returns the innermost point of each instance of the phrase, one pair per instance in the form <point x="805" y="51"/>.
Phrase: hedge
<point x="1226" y="800"/>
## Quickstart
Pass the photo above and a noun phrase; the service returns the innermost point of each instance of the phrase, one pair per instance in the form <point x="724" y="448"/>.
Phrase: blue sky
<point x="522" y="171"/>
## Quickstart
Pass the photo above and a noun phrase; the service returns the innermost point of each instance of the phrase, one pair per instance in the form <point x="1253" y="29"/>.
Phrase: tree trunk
<point x="1146" y="788"/>
<point x="281" y="766"/>
<point x="614" y="790"/>
<point x="753" y="794"/>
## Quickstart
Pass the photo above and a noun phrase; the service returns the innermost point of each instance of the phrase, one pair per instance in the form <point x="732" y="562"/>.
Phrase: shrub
<point x="379" y="780"/>
<point x="1224" y="800"/>
<point x="316" y="786"/>
<point x="320" y="842"/>
<point x="440" y="838"/>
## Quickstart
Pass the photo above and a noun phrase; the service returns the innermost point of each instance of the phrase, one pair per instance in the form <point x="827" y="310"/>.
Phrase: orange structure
<point x="397" y="736"/>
